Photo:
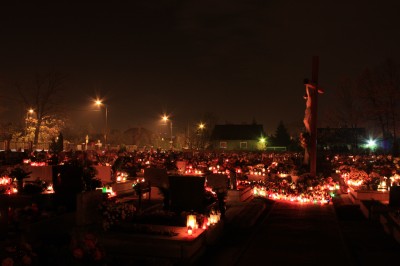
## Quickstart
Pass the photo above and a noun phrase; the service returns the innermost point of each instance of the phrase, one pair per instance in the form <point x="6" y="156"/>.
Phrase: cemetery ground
<point x="257" y="230"/>
<point x="78" y="237"/>
<point x="261" y="225"/>
<point x="288" y="233"/>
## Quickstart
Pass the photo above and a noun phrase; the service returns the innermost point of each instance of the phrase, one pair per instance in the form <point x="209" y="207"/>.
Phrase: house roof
<point x="237" y="132"/>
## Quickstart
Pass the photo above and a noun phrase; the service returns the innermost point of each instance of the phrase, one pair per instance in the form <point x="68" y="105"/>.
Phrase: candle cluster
<point x="121" y="176"/>
<point x="191" y="224"/>
<point x="193" y="221"/>
<point x="192" y="171"/>
<point x="303" y="191"/>
<point x="38" y="163"/>
<point x="5" y="180"/>
<point x="360" y="179"/>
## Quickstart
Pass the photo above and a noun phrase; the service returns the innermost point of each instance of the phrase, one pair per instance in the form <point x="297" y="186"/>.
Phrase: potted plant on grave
<point x="19" y="174"/>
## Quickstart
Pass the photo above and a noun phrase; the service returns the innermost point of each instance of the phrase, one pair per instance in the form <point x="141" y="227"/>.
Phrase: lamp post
<point x="28" y="115"/>
<point x="201" y="127"/>
<point x="165" y="118"/>
<point x="100" y="103"/>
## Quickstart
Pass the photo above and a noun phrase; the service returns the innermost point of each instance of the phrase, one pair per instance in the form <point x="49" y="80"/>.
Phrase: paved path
<point x="301" y="234"/>
<point x="306" y="234"/>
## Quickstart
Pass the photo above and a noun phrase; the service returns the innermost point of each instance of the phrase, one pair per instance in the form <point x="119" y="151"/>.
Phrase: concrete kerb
<point x="246" y="213"/>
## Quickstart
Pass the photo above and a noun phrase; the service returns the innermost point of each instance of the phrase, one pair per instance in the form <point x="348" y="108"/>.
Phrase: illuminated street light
<point x="165" y="118"/>
<point x="262" y="143"/>
<point x="371" y="144"/>
<point x="201" y="126"/>
<point x="99" y="103"/>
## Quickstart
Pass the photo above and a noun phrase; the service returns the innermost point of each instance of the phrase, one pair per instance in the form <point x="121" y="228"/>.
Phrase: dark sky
<point x="240" y="60"/>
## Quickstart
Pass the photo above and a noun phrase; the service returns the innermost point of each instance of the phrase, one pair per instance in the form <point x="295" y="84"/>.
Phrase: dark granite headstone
<point x="187" y="193"/>
<point x="219" y="184"/>
<point x="217" y="181"/>
<point x="157" y="177"/>
<point x="87" y="212"/>
<point x="67" y="183"/>
<point x="394" y="196"/>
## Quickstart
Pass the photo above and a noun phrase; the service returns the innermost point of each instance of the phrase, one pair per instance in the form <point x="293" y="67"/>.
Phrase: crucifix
<point x="309" y="140"/>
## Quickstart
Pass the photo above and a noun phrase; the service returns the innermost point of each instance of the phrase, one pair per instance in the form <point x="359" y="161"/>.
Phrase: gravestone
<point x="67" y="183"/>
<point x="187" y="193"/>
<point x="157" y="177"/>
<point x="217" y="182"/>
<point x="181" y="165"/>
<point x="87" y="207"/>
<point x="394" y="196"/>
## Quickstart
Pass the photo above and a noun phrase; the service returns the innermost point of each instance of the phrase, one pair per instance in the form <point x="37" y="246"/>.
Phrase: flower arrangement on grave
<point x="18" y="253"/>
<point x="356" y="177"/>
<point x="149" y="229"/>
<point x="27" y="214"/>
<point x="6" y="184"/>
<point x="86" y="250"/>
<point x="113" y="212"/>
<point x="158" y="216"/>
<point x="372" y="181"/>
<point x="306" y="189"/>
<point x="125" y="217"/>
<point x="19" y="174"/>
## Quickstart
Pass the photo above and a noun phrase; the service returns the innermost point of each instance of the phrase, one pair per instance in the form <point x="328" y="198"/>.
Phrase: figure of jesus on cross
<point x="310" y="94"/>
<point x="309" y="138"/>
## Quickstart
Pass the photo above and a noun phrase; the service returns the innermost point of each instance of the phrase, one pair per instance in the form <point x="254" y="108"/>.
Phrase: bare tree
<point x="44" y="97"/>
<point x="372" y="100"/>
<point x="348" y="109"/>
<point x="380" y="90"/>
<point x="389" y="77"/>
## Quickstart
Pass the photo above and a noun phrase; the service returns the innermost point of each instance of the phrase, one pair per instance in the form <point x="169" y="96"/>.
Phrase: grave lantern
<point x="191" y="223"/>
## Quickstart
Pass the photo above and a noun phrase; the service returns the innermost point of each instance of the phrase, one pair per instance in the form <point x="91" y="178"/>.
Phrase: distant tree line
<point x="282" y="138"/>
<point x="371" y="100"/>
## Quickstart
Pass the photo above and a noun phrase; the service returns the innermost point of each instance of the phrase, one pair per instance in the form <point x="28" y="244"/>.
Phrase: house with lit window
<point x="242" y="137"/>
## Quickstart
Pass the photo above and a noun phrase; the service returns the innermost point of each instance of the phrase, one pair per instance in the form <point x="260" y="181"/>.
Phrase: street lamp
<point x="99" y="103"/>
<point x="201" y="126"/>
<point x="165" y="118"/>
<point x="262" y="142"/>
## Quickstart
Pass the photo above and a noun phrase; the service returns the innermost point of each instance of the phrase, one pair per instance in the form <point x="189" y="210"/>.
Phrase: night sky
<point x="239" y="60"/>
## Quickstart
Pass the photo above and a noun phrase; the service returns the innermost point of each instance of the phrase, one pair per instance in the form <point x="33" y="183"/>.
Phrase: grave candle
<point x="191" y="222"/>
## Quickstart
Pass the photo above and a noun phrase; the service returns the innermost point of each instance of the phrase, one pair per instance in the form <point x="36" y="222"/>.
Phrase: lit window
<point x="223" y="144"/>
